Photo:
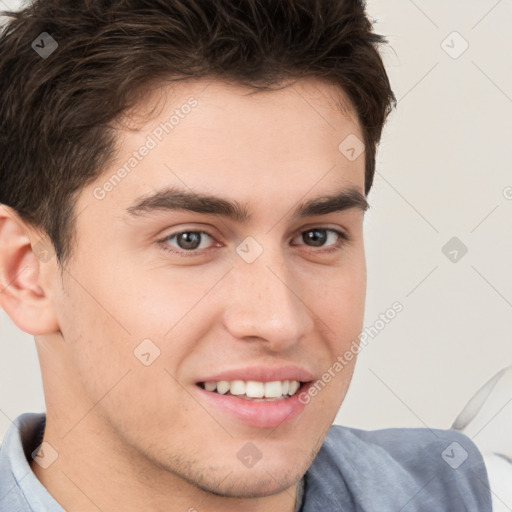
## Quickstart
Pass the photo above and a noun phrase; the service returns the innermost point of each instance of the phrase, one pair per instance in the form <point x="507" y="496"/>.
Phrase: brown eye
<point x="186" y="241"/>
<point x="319" y="237"/>
<point x="316" y="237"/>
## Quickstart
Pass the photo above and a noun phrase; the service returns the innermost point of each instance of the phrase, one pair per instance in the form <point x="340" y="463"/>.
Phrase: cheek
<point x="110" y="371"/>
<point x="97" y="347"/>
<point x="113" y="320"/>
<point x="95" y="321"/>
<point x="160" y="298"/>
<point x="339" y="299"/>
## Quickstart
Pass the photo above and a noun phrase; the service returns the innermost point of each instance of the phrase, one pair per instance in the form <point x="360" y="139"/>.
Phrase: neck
<point x="95" y="471"/>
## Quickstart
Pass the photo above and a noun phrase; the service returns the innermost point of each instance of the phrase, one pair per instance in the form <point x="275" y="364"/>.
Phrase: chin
<point x="279" y="468"/>
<point x="252" y="483"/>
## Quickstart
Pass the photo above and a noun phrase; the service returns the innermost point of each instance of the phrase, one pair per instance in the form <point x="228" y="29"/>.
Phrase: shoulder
<point x="413" y="448"/>
<point x="20" y="490"/>
<point x="399" y="469"/>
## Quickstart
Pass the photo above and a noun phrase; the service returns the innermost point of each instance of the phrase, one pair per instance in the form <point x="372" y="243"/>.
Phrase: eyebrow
<point x="171" y="199"/>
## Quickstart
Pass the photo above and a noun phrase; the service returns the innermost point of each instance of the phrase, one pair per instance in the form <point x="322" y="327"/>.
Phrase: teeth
<point x="237" y="387"/>
<point x="210" y="386"/>
<point x="222" y="387"/>
<point x="273" y="389"/>
<point x="254" y="389"/>
<point x="294" y="386"/>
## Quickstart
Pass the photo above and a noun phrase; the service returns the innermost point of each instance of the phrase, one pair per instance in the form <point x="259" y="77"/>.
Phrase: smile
<point x="254" y="390"/>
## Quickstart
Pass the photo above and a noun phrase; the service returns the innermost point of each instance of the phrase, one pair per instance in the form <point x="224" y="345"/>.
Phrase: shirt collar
<point x="18" y="483"/>
<point x="24" y="435"/>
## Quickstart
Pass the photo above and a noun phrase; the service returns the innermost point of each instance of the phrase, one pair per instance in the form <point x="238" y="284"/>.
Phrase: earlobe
<point x="22" y="293"/>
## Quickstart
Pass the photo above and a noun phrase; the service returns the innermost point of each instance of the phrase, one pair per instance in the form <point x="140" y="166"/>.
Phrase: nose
<point x="265" y="303"/>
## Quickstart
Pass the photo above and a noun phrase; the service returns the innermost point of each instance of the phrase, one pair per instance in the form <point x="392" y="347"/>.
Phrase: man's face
<point x="158" y="301"/>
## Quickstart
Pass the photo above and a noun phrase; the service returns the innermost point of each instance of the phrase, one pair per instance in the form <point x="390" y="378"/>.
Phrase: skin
<point x="133" y="437"/>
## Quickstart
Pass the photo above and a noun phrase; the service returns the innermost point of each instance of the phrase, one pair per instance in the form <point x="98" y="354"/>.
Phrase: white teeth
<point x="237" y="387"/>
<point x="222" y="387"/>
<point x="273" y="389"/>
<point x="294" y="386"/>
<point x="210" y="386"/>
<point x="254" y="389"/>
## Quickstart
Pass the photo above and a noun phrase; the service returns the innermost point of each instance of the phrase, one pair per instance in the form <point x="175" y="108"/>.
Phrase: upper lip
<point x="262" y="374"/>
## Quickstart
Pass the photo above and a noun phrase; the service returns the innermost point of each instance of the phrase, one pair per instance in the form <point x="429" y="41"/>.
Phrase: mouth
<point x="254" y="391"/>
<point x="262" y="404"/>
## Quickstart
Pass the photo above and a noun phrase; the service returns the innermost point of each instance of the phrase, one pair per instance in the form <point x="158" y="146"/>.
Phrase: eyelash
<point x="343" y="239"/>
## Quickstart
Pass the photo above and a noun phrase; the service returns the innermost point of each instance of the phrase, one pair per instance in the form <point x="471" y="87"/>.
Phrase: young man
<point x="183" y="187"/>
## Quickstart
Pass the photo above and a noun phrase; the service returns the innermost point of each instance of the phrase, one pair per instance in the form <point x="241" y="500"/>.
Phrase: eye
<point x="191" y="243"/>
<point x="318" y="237"/>
<point x="186" y="241"/>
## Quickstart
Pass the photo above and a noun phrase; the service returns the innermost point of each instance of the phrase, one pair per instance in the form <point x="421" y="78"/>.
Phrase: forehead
<point x="315" y="94"/>
<point x="213" y="137"/>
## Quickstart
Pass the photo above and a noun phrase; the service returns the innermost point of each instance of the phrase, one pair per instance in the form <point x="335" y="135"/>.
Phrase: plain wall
<point x="443" y="169"/>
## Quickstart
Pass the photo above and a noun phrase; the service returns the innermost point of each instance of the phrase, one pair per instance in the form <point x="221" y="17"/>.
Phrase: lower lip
<point x="269" y="414"/>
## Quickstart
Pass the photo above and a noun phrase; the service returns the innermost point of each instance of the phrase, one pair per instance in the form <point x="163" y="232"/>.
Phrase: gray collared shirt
<point x="390" y="470"/>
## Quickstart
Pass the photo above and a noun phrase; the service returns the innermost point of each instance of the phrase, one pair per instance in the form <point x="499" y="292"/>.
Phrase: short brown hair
<point x="56" y="112"/>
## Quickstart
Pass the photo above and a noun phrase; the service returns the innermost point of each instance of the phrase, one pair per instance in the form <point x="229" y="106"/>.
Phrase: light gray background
<point x="443" y="169"/>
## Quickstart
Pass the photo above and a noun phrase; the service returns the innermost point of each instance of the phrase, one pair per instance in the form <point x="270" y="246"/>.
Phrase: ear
<point x="26" y="269"/>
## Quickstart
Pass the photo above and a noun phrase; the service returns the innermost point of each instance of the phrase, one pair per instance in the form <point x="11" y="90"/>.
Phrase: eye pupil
<point x="189" y="240"/>
<point x="317" y="236"/>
